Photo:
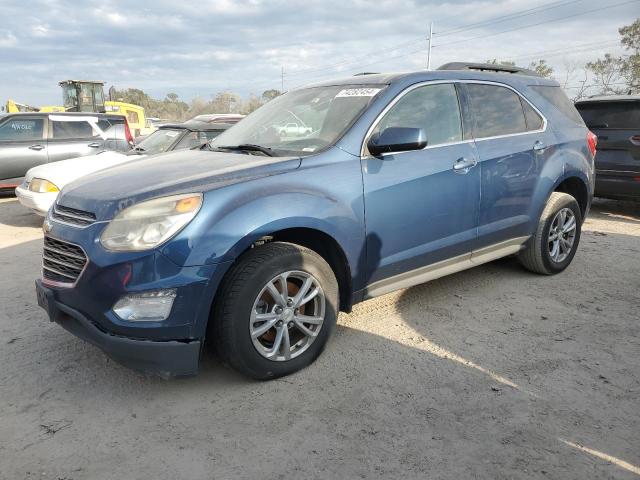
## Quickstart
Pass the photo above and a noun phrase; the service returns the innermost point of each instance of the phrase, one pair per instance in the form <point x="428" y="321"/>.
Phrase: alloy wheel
<point x="562" y="235"/>
<point x="287" y="315"/>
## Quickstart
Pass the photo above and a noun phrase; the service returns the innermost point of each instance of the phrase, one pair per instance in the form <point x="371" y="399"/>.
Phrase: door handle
<point x="36" y="147"/>
<point x="94" y="145"/>
<point x="539" y="147"/>
<point x="463" y="165"/>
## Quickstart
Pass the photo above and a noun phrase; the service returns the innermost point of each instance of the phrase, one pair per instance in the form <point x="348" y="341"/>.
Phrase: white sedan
<point x="43" y="183"/>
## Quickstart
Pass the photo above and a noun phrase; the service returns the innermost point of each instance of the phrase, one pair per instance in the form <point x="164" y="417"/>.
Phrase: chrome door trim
<point x="410" y="88"/>
<point x="445" y="267"/>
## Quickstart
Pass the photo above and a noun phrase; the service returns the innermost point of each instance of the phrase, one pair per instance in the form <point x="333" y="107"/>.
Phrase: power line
<point x="561" y="51"/>
<point x="535" y="24"/>
<point x="504" y="18"/>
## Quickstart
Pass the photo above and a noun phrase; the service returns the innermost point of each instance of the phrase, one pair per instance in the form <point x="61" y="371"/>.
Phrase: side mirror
<point x="397" y="139"/>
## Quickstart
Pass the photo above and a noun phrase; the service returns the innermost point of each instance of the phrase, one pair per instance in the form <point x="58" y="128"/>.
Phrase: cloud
<point x="199" y="48"/>
<point x="7" y="39"/>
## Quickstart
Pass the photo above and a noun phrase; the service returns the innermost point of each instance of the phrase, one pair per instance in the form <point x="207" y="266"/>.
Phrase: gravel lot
<point x="490" y="373"/>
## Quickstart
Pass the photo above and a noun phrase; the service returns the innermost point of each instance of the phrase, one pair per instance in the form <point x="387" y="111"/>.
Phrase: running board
<point x="445" y="267"/>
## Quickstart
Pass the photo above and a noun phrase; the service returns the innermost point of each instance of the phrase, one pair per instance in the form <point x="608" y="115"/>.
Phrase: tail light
<point x="592" y="141"/>
<point x="127" y="133"/>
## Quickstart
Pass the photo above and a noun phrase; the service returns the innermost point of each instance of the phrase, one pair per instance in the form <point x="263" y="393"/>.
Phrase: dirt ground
<point x="491" y="373"/>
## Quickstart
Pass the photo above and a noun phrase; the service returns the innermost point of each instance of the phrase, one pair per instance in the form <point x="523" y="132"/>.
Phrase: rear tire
<point x="554" y="244"/>
<point x="264" y="284"/>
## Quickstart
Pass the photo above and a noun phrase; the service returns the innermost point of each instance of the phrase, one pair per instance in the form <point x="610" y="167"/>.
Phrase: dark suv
<point x="255" y="243"/>
<point x="31" y="139"/>
<point x="615" y="119"/>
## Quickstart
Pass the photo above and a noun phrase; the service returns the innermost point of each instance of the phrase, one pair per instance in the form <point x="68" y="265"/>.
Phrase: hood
<point x="66" y="171"/>
<point x="170" y="173"/>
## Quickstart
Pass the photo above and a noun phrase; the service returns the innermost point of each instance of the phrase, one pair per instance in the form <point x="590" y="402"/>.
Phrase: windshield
<point x="159" y="141"/>
<point x="301" y="122"/>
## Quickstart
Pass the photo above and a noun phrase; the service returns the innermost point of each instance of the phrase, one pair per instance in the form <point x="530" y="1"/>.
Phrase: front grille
<point x="72" y="216"/>
<point x="61" y="261"/>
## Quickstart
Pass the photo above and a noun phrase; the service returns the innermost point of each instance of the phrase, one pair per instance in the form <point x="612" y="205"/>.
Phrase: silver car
<point x="31" y="139"/>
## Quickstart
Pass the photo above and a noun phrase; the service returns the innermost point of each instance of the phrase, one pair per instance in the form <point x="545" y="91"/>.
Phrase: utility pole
<point x="430" y="42"/>
<point x="282" y="78"/>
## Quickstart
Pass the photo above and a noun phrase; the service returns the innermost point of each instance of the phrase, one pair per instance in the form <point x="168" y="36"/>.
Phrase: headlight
<point x="148" y="224"/>
<point x="41" y="185"/>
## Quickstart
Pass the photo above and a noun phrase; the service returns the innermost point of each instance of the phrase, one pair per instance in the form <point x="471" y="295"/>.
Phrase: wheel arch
<point x="577" y="187"/>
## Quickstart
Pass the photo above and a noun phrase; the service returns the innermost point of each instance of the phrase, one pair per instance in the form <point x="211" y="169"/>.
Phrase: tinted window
<point x="433" y="108"/>
<point x="18" y="129"/>
<point x="610" y="114"/>
<point x="557" y="97"/>
<point x="496" y="110"/>
<point x="67" y="130"/>
<point x="534" y="121"/>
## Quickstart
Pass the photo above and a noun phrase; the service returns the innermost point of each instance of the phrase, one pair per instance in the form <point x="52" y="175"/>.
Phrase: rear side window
<point x="496" y="110"/>
<point x="21" y="129"/>
<point x="559" y="99"/>
<point x="432" y="107"/>
<point x="69" y="130"/>
<point x="616" y="115"/>
<point x="534" y="121"/>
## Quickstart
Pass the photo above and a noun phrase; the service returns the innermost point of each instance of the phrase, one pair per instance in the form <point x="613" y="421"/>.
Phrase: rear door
<point x="617" y="125"/>
<point x="513" y="144"/>
<point x="22" y="146"/>
<point x="74" y="136"/>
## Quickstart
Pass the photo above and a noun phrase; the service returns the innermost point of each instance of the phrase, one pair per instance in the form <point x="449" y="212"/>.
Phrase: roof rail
<point x="364" y="73"/>
<point x="488" y="67"/>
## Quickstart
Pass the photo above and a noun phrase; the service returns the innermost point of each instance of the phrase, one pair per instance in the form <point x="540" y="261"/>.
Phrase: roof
<point x="81" y="81"/>
<point x="428" y="75"/>
<point x="197" y="126"/>
<point x="610" y="98"/>
<point x="69" y="114"/>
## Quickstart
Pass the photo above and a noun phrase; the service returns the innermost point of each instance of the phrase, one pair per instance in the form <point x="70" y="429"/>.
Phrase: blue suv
<point x="324" y="197"/>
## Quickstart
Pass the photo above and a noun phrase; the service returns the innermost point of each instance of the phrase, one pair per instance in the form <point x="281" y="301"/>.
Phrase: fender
<point x="234" y="217"/>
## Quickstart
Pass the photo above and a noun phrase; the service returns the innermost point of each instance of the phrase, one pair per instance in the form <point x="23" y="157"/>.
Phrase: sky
<point x="199" y="48"/>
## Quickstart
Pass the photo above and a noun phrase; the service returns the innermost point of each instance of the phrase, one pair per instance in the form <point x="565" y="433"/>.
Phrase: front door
<point x="22" y="146"/>
<point x="421" y="207"/>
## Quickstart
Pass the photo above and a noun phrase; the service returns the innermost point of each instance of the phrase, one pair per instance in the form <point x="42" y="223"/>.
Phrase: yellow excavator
<point x="88" y="96"/>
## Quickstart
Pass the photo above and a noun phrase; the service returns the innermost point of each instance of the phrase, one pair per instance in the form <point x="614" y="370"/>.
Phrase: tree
<point x="620" y="74"/>
<point x="542" y="68"/>
<point x="269" y="95"/>
<point x="607" y="74"/>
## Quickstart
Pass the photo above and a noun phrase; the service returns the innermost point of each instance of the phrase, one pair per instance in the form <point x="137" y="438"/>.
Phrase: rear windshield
<point x="560" y="100"/>
<point x="619" y="115"/>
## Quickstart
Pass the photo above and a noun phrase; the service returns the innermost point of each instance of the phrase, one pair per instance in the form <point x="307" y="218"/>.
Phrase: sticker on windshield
<point x="171" y="134"/>
<point x="358" y="92"/>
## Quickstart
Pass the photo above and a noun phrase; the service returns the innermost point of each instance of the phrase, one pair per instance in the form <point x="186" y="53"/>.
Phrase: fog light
<point x="152" y="306"/>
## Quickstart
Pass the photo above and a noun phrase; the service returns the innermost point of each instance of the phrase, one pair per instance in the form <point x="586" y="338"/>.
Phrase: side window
<point x="190" y="140"/>
<point x="496" y="110"/>
<point x="432" y="107"/>
<point x="132" y="117"/>
<point x="69" y="130"/>
<point x="211" y="134"/>
<point x="18" y="129"/>
<point x="534" y="121"/>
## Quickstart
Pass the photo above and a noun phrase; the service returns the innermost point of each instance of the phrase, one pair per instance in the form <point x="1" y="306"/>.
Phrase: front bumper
<point x="38" y="202"/>
<point x="163" y="358"/>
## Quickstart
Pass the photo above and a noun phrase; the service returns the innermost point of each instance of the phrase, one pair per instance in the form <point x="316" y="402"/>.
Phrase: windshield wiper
<point x="248" y="147"/>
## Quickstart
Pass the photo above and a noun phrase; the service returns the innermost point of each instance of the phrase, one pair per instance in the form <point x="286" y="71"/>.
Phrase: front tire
<point x="555" y="242"/>
<point x="275" y="311"/>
